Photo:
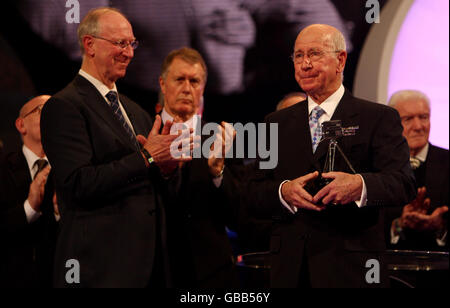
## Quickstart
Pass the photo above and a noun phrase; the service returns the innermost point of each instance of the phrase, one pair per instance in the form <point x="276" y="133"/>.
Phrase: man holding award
<point x="328" y="225"/>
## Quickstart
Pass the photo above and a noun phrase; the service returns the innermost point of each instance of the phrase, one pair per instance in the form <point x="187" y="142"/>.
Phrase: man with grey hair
<point x="107" y="173"/>
<point x="324" y="237"/>
<point x="204" y="201"/>
<point x="422" y="223"/>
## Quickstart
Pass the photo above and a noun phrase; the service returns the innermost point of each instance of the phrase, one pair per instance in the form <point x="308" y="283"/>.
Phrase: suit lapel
<point x="302" y="132"/>
<point x="138" y="129"/>
<point x="99" y="106"/>
<point x="431" y="168"/>
<point x="18" y="168"/>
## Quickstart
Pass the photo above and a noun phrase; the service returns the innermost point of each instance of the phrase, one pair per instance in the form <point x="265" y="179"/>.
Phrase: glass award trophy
<point x="331" y="131"/>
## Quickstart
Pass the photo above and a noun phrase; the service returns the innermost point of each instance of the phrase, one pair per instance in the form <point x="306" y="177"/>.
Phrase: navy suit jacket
<point x="333" y="245"/>
<point x="111" y="212"/>
<point x="26" y="260"/>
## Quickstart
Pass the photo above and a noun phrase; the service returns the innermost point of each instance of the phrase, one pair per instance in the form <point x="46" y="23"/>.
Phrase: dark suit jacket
<point x="434" y="175"/>
<point x="110" y="207"/>
<point x="197" y="214"/>
<point x="334" y="245"/>
<point x="27" y="249"/>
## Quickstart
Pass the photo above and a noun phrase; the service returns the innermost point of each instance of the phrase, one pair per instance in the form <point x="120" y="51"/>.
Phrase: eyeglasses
<point x="313" y="55"/>
<point x="122" y="44"/>
<point x="37" y="109"/>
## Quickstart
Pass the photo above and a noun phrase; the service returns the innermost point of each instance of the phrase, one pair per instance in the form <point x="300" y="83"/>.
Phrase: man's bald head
<point x="327" y="34"/>
<point x="28" y="123"/>
<point x="33" y="103"/>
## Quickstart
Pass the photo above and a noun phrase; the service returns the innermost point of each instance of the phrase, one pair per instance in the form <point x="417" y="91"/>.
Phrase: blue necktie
<point x="316" y="129"/>
<point x="112" y="98"/>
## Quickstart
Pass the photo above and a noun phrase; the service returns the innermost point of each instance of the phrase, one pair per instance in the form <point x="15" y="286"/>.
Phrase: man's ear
<point x="88" y="42"/>
<point x="20" y="126"/>
<point x="162" y="85"/>
<point x="342" y="58"/>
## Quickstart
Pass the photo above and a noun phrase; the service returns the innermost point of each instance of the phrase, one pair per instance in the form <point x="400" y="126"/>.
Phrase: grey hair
<point x="338" y="41"/>
<point x="404" y="95"/>
<point x="90" y="26"/>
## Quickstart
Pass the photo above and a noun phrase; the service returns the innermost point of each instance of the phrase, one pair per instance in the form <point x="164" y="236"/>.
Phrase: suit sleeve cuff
<point x="31" y="214"/>
<point x="363" y="200"/>
<point x="291" y="209"/>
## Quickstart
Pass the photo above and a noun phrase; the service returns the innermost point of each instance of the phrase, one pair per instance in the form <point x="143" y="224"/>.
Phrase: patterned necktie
<point x="41" y="164"/>
<point x="415" y="163"/>
<point x="112" y="98"/>
<point x="316" y="129"/>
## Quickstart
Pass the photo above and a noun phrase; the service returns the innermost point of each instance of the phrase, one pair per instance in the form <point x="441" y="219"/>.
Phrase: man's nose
<point x="417" y="123"/>
<point x="129" y="51"/>
<point x="186" y="86"/>
<point x="306" y="64"/>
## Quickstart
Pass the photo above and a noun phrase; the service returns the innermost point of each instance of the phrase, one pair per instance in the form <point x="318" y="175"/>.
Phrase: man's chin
<point x="308" y="87"/>
<point x="185" y="111"/>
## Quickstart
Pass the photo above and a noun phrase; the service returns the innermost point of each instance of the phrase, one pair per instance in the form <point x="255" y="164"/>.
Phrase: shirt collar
<point x="100" y="86"/>
<point x="31" y="158"/>
<point x="422" y="155"/>
<point x="330" y="104"/>
<point x="191" y="123"/>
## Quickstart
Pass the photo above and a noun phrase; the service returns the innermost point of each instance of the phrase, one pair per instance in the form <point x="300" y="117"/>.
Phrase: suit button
<point x="151" y="212"/>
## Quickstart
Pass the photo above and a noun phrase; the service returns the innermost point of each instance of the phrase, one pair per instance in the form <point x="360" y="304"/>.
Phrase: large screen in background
<point x="420" y="61"/>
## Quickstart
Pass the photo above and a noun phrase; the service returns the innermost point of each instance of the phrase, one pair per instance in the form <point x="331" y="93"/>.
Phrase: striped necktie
<point x="114" y="101"/>
<point x="41" y="164"/>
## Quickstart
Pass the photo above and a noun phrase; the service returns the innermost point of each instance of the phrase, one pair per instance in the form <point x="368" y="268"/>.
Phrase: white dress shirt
<point x="422" y="155"/>
<point x="328" y="106"/>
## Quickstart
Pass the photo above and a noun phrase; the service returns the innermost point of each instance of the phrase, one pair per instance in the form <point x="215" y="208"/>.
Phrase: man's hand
<point x="423" y="222"/>
<point x="37" y="189"/>
<point x="415" y="217"/>
<point x="224" y="142"/>
<point x="160" y="146"/>
<point x="294" y="194"/>
<point x="344" y="188"/>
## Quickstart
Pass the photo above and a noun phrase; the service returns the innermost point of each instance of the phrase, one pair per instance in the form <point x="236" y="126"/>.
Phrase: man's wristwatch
<point x="148" y="157"/>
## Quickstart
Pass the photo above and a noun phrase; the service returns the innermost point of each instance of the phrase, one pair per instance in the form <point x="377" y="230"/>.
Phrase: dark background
<point x="31" y="66"/>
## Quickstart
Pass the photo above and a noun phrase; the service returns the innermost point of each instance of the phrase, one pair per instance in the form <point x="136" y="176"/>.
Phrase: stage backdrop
<point x="409" y="49"/>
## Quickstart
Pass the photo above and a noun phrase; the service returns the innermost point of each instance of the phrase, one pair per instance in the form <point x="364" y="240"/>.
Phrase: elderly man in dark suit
<point x="112" y="216"/>
<point x="27" y="221"/>
<point x="421" y="224"/>
<point x="326" y="238"/>
<point x="204" y="201"/>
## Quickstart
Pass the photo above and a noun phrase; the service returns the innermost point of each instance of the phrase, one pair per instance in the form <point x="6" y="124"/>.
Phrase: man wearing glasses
<point x="324" y="238"/>
<point x="107" y="159"/>
<point x="27" y="220"/>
